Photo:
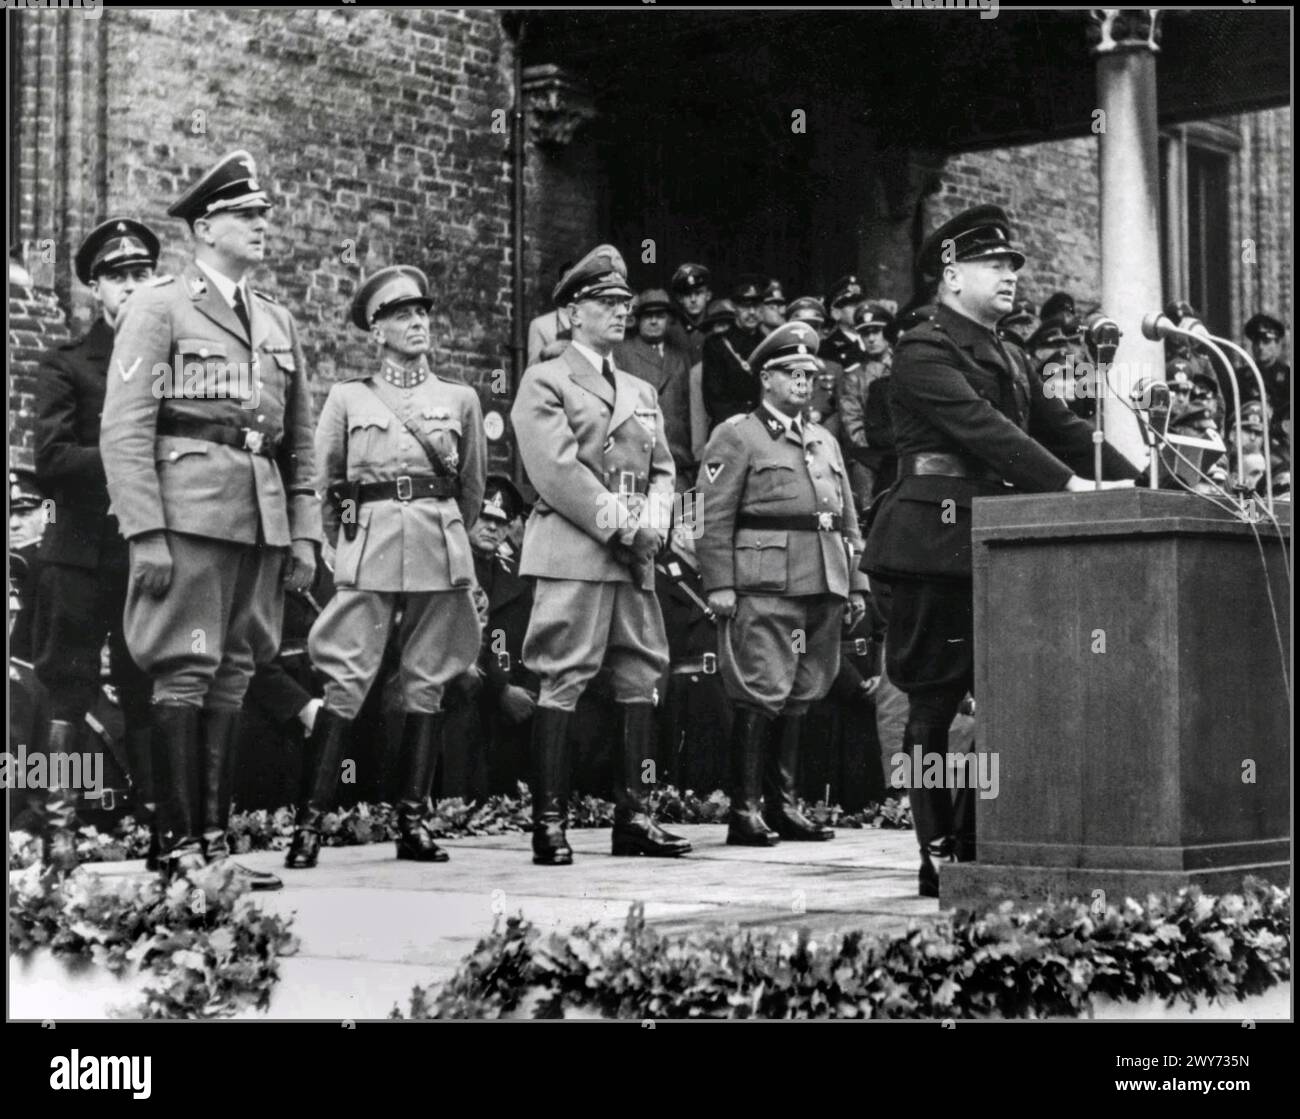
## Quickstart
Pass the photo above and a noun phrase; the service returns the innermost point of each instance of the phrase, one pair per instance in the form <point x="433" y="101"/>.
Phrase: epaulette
<point x="158" y="281"/>
<point x="736" y="418"/>
<point x="268" y="298"/>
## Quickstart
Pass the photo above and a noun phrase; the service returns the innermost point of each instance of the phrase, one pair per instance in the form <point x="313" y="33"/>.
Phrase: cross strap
<point x="382" y="390"/>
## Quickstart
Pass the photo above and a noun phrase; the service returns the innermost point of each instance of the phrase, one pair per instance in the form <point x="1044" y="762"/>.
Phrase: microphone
<point x="1180" y="321"/>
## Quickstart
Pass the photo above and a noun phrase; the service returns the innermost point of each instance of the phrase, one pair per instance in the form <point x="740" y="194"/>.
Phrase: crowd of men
<point x="734" y="572"/>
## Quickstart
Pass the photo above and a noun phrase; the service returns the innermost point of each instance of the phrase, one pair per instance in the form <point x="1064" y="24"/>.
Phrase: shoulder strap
<point x="739" y="360"/>
<point x="381" y="390"/>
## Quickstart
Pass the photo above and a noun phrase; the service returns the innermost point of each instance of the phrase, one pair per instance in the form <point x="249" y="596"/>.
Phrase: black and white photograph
<point x="652" y="514"/>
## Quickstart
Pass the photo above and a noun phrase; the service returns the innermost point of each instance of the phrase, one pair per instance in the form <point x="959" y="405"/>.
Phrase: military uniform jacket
<point x="407" y="546"/>
<point x="956" y="388"/>
<point x="853" y="406"/>
<point x="510" y="602"/>
<point x="729" y="386"/>
<point x="842" y="347"/>
<point x="577" y="437"/>
<point x="194" y="485"/>
<point x="669" y="375"/>
<point x="69" y="402"/>
<point x="692" y="631"/>
<point x="752" y="464"/>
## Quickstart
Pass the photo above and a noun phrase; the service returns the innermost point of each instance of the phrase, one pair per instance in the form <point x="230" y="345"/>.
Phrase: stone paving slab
<point x="372" y="928"/>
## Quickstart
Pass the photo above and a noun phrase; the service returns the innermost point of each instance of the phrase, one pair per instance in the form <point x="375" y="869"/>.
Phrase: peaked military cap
<point x="1264" y="327"/>
<point x="652" y="299"/>
<point x="600" y="272"/>
<point x="387" y="289"/>
<point x="230" y="184"/>
<point x="844" y="290"/>
<point x="689" y="278"/>
<point x="1059" y="330"/>
<point x="1061" y="303"/>
<point x="773" y="292"/>
<point x="116" y="243"/>
<point x="748" y="289"/>
<point x="24" y="493"/>
<point x="720" y="310"/>
<point x="872" y="316"/>
<point x="807" y="308"/>
<point x="975" y="234"/>
<point x="792" y="345"/>
<point x="501" y="500"/>
<point x="1022" y="311"/>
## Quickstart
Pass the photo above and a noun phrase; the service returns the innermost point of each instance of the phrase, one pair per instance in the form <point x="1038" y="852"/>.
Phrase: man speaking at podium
<point x="970" y="420"/>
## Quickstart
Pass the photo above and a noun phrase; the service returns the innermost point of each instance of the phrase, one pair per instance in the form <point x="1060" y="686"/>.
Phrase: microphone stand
<point x="1263" y="399"/>
<point x="1102" y="354"/>
<point x="1236" y="394"/>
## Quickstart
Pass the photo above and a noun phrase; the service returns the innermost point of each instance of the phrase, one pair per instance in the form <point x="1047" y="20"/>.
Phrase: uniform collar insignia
<point x="198" y="286"/>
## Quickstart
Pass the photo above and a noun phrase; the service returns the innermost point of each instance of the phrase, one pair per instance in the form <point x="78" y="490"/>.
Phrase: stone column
<point x="1125" y="42"/>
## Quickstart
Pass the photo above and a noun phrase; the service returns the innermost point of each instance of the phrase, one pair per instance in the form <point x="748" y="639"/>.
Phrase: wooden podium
<point x="1129" y="677"/>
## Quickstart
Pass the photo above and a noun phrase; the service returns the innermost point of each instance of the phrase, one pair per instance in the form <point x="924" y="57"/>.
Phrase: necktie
<point x="241" y="312"/>
<point x="607" y="371"/>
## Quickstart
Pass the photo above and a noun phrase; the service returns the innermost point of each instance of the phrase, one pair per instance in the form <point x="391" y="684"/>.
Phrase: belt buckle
<point x="503" y="660"/>
<point x="404" y="496"/>
<point x="859" y="646"/>
<point x="253" y="440"/>
<point x="825" y="521"/>
<point x="710" y="664"/>
<point x="106" y="798"/>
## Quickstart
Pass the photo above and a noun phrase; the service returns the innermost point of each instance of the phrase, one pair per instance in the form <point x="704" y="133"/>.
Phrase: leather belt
<point x="811" y="522"/>
<point x="706" y="665"/>
<point x="408" y="487"/>
<point x="944" y="465"/>
<point x="856" y="647"/>
<point x="245" y="438"/>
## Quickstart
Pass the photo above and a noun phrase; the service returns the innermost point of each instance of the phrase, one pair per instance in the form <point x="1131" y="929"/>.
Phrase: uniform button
<point x="173" y="456"/>
<point x="261" y="419"/>
<point x="203" y="353"/>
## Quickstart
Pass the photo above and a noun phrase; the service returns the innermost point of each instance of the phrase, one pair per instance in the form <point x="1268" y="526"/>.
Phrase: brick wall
<point x="36" y="324"/>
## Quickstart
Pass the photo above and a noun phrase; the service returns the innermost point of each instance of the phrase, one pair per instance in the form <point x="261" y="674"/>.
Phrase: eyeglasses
<point x="793" y="374"/>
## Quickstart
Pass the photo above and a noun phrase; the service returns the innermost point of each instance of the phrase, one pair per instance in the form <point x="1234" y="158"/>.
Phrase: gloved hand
<point x="517" y="703"/>
<point x="645" y="545"/>
<point x="151" y="563"/>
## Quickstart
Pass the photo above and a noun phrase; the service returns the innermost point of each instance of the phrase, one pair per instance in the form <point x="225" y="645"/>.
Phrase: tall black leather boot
<point x="322" y="756"/>
<point x="177" y="734"/>
<point x="745" y="826"/>
<point x="550" y="761"/>
<point x="780" y="805"/>
<point x="421" y="745"/>
<point x="139" y="746"/>
<point x="220" y="741"/>
<point x="932" y="814"/>
<point x="55" y="809"/>
<point x="635" y="832"/>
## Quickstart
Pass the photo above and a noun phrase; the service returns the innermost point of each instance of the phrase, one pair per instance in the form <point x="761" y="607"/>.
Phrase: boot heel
<point x="627" y="845"/>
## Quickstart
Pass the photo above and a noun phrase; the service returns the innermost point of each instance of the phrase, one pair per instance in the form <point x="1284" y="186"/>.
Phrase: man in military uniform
<point x="593" y="442"/>
<point x="718" y="319"/>
<point x="728" y="382"/>
<point x="823" y="402"/>
<point x="550" y="332"/>
<point x="842" y="344"/>
<point x="779" y="553"/>
<point x="868" y="465"/>
<point x="969" y="416"/>
<point x="401" y="457"/>
<point x="207" y="448"/>
<point x="1020" y="322"/>
<point x="696" y="722"/>
<point x="772" y="312"/>
<point x="1265" y="333"/>
<point x="1063" y="364"/>
<point x="664" y="367"/>
<point x="82" y="581"/>
<point x="692" y="293"/>
<point x="486" y="738"/>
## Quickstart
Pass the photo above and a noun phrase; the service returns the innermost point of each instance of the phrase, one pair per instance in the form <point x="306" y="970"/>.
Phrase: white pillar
<point x="1126" y="46"/>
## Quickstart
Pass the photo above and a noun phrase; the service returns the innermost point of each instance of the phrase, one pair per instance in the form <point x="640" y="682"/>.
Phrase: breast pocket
<point x="367" y="438"/>
<point x="774" y="481"/>
<point x="202" y="371"/>
<point x="761" y="561"/>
